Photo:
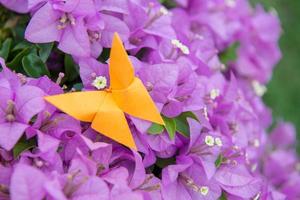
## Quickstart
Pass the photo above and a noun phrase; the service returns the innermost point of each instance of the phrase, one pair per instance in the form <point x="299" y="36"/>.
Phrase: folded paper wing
<point x="136" y="101"/>
<point x="121" y="70"/>
<point x="80" y="105"/>
<point x="111" y="122"/>
<point x="128" y="91"/>
<point x="100" y="109"/>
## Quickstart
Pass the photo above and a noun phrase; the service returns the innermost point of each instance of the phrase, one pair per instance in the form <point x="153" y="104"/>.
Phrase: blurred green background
<point x="283" y="94"/>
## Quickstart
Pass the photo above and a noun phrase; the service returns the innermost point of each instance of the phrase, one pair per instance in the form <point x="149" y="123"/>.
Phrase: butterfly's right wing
<point x="111" y="122"/>
<point x="80" y="105"/>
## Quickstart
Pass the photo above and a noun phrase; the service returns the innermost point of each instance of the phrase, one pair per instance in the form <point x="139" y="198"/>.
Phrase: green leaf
<point x="168" y="3"/>
<point x="219" y="161"/>
<point x="230" y="54"/>
<point x="223" y="196"/>
<point x="5" y="48"/>
<point x="71" y="69"/>
<point x="23" y="145"/>
<point x="78" y="86"/>
<point x="16" y="63"/>
<point x="104" y="55"/>
<point x="44" y="50"/>
<point x="170" y="125"/>
<point x="189" y="114"/>
<point x="34" y="66"/>
<point x="164" y="162"/>
<point x="21" y="45"/>
<point x="182" y="125"/>
<point x="156" y="129"/>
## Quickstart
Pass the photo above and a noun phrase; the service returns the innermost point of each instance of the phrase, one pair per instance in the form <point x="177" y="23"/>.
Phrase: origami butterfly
<point x="105" y="109"/>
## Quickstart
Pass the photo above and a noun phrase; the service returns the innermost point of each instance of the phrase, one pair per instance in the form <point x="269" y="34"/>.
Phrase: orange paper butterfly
<point x="105" y="109"/>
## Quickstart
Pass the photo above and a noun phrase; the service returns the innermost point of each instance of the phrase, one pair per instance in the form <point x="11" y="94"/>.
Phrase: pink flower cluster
<point x="216" y="145"/>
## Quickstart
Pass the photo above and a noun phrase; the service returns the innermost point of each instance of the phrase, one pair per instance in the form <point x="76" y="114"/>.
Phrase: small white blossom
<point x="163" y="11"/>
<point x="100" y="82"/>
<point x="258" y="88"/>
<point x="205" y="113"/>
<point x="204" y="190"/>
<point x="253" y="167"/>
<point x="298" y="166"/>
<point x="183" y="48"/>
<point x="209" y="140"/>
<point x="214" y="93"/>
<point x="230" y="3"/>
<point x="256" y="143"/>
<point x="218" y="141"/>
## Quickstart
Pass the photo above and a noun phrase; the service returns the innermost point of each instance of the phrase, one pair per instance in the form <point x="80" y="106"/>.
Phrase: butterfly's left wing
<point x="136" y="101"/>
<point x="80" y="105"/>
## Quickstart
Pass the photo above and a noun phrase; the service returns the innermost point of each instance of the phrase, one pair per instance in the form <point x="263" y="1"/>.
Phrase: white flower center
<point x="204" y="190"/>
<point x="183" y="48"/>
<point x="218" y="141"/>
<point x="100" y="82"/>
<point x="209" y="140"/>
<point x="298" y="166"/>
<point x="205" y="113"/>
<point x="163" y="11"/>
<point x="230" y="3"/>
<point x="214" y="93"/>
<point x="258" y="88"/>
<point x="256" y="143"/>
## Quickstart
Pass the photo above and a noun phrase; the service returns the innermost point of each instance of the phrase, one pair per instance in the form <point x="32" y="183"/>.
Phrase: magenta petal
<point x="119" y="6"/>
<point x="112" y="25"/>
<point x="33" y="3"/>
<point x="5" y="174"/>
<point x="54" y="189"/>
<point x="20" y="6"/>
<point x="6" y="94"/>
<point x="175" y="191"/>
<point x="84" y="7"/>
<point x="75" y="40"/>
<point x="233" y="176"/>
<point x="28" y="103"/>
<point x="42" y="28"/>
<point x="10" y="134"/>
<point x="92" y="189"/>
<point x="47" y="143"/>
<point x="27" y="183"/>
<point x="246" y="191"/>
<point x="161" y="28"/>
<point x="139" y="174"/>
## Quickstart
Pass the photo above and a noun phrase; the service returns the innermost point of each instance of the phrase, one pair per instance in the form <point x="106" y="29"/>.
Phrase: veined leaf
<point x="34" y="66"/>
<point x="156" y="129"/>
<point x="182" y="125"/>
<point x="5" y="48"/>
<point x="23" y="145"/>
<point x="170" y="125"/>
<point x="71" y="69"/>
<point x="230" y="54"/>
<point x="16" y="63"/>
<point x="44" y="50"/>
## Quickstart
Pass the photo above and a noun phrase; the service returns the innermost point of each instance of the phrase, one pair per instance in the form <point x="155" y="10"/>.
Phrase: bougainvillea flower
<point x="62" y="22"/>
<point x="18" y="106"/>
